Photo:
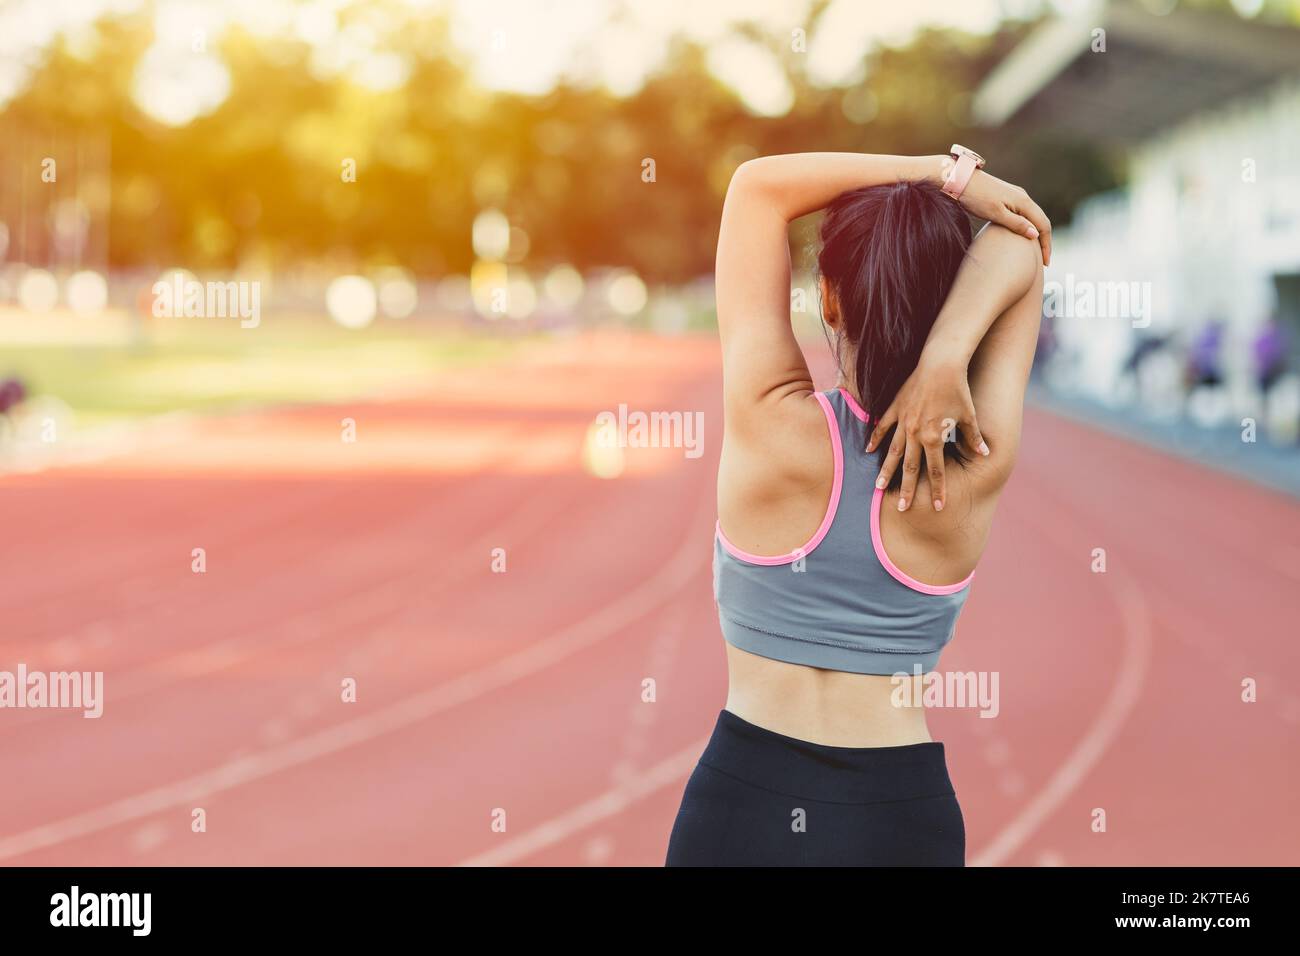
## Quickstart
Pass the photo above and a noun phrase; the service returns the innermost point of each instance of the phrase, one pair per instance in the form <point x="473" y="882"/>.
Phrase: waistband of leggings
<point x="801" y="768"/>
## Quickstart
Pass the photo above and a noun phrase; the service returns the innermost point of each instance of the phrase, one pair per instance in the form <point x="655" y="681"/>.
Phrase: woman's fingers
<point x="970" y="431"/>
<point x="882" y="428"/>
<point x="911" y="470"/>
<point x="1042" y="225"/>
<point x="890" y="463"/>
<point x="934" y="467"/>
<point x="1017" y="223"/>
<point x="913" y="452"/>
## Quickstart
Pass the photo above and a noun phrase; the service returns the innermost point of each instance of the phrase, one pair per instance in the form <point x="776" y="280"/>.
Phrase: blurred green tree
<point x="260" y="177"/>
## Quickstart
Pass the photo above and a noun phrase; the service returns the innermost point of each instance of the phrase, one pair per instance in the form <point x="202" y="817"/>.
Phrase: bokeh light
<point x="87" y="292"/>
<point x="351" y="301"/>
<point x="627" y="294"/>
<point x="177" y="87"/>
<point x="398" y="295"/>
<point x="491" y="237"/>
<point x="754" y="73"/>
<point x="563" y="286"/>
<point x="38" y="291"/>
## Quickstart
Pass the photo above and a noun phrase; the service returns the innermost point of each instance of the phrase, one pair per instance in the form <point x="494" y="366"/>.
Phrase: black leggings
<point x="758" y="798"/>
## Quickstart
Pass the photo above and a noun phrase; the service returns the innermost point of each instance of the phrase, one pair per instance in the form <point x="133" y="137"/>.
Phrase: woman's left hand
<point x="928" y="409"/>
<point x="1008" y="205"/>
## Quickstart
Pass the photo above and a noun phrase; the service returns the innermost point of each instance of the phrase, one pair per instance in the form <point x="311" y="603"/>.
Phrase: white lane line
<point x="618" y="799"/>
<point x="353" y="612"/>
<point x="609" y="804"/>
<point x="142" y="677"/>
<point x="1138" y="649"/>
<point x="674" y="574"/>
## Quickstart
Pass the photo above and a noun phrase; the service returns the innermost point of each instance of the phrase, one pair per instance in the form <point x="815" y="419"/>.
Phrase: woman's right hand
<point x="1008" y="205"/>
<point x="927" y="411"/>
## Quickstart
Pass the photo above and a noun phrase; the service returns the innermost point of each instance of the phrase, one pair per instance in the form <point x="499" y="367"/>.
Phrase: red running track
<point x="484" y="696"/>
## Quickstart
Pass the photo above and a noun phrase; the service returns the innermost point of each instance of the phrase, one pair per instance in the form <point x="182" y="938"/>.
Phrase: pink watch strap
<point x="961" y="173"/>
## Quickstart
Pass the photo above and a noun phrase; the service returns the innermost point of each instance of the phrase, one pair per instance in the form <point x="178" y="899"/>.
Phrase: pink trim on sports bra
<point x="831" y="506"/>
<point x="895" y="572"/>
<point x="852" y="402"/>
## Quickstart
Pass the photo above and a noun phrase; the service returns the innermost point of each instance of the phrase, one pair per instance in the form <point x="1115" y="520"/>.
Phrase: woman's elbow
<point x="1017" y="257"/>
<point x="749" y="178"/>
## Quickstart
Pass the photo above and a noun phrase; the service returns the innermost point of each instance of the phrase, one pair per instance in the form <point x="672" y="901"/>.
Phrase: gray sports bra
<point x="838" y="602"/>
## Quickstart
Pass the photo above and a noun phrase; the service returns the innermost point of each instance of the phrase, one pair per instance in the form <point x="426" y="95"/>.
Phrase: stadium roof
<point x="1155" y="71"/>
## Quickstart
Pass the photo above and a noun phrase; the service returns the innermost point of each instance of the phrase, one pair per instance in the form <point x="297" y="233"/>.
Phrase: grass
<point x="215" y="365"/>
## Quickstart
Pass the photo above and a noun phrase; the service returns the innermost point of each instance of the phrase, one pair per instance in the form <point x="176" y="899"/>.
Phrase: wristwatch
<point x="967" y="161"/>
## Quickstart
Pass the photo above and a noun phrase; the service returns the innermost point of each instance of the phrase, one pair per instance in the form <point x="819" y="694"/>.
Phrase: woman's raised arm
<point x="762" y="361"/>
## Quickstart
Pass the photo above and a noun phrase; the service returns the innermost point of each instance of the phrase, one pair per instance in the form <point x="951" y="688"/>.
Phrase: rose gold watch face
<point x="959" y="150"/>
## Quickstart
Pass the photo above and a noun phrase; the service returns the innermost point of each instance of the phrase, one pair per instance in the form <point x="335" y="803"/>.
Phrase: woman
<point x="845" y="549"/>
